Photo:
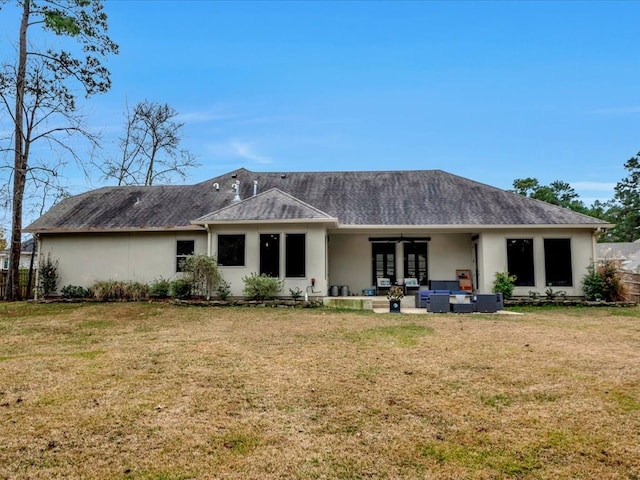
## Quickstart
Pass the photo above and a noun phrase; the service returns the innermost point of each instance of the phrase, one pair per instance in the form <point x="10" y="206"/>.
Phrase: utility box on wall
<point x="464" y="277"/>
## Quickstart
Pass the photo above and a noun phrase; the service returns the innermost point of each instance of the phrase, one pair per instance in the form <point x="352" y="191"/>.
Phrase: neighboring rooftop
<point x="422" y="197"/>
<point x="627" y="254"/>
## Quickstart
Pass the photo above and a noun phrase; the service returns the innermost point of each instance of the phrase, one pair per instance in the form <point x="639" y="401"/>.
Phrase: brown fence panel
<point x="631" y="282"/>
<point x="24" y="279"/>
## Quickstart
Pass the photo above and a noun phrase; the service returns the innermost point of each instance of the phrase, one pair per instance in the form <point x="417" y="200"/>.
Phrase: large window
<point x="184" y="249"/>
<point x="557" y="262"/>
<point x="415" y="262"/>
<point x="270" y="254"/>
<point x="383" y="257"/>
<point x="295" y="255"/>
<point x="231" y="250"/>
<point x="520" y="260"/>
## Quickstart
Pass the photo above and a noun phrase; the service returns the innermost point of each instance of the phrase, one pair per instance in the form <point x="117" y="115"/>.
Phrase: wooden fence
<point x="631" y="282"/>
<point x="24" y="287"/>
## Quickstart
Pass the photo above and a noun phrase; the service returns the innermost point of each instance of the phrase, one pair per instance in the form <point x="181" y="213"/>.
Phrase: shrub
<point x="223" y="289"/>
<point x="75" y="291"/>
<point x="504" y="284"/>
<point x="116" y="290"/>
<point x="261" y="287"/>
<point x="48" y="275"/>
<point x="296" y="293"/>
<point x="202" y="273"/>
<point x="136" y="291"/>
<point x="603" y="282"/>
<point x="160" y="288"/>
<point x="180" y="288"/>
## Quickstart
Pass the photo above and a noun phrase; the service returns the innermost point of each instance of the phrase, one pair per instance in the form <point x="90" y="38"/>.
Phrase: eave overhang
<point x="328" y="221"/>
<point x="184" y="228"/>
<point x="564" y="226"/>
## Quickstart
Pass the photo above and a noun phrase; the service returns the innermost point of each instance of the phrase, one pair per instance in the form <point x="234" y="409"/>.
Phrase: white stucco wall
<point x="492" y="255"/>
<point x="315" y="255"/>
<point x="345" y="259"/>
<point x="350" y="260"/>
<point x="144" y="257"/>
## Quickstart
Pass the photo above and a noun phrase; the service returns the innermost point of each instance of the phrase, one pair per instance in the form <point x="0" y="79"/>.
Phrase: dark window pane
<point x="295" y="255"/>
<point x="184" y="249"/>
<point x="415" y="262"/>
<point x="231" y="250"/>
<point x="270" y="254"/>
<point x="520" y="261"/>
<point x="557" y="262"/>
<point x="384" y="261"/>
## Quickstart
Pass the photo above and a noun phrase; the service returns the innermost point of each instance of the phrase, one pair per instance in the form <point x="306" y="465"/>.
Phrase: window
<point x="557" y="262"/>
<point x="184" y="249"/>
<point x="383" y="258"/>
<point x="520" y="260"/>
<point x="270" y="254"/>
<point x="415" y="262"/>
<point x="295" y="255"/>
<point x="231" y="250"/>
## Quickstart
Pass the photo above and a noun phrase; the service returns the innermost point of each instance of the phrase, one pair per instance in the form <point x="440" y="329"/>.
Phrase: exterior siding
<point x="315" y="255"/>
<point x="493" y="257"/>
<point x="144" y="257"/>
<point x="350" y="258"/>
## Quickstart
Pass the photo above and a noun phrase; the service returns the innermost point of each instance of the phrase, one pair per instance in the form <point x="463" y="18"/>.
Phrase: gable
<point x="270" y="206"/>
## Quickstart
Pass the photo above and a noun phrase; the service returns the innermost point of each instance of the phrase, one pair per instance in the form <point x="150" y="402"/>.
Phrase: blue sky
<point x="492" y="91"/>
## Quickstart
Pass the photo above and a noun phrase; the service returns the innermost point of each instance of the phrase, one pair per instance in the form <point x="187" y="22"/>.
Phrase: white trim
<point x="274" y="221"/>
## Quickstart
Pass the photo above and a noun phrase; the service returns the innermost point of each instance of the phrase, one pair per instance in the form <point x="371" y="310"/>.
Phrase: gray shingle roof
<point x="272" y="205"/>
<point x="423" y="197"/>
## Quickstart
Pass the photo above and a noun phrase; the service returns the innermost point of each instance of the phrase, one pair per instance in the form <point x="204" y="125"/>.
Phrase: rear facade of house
<point x="318" y="230"/>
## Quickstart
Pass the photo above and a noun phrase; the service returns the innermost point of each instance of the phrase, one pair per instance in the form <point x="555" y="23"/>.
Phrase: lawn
<point x="155" y="391"/>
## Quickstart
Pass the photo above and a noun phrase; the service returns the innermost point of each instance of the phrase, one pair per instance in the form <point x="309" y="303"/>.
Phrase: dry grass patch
<point x="152" y="391"/>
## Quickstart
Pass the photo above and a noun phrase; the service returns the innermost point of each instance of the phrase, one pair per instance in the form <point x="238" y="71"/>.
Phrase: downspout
<point x="38" y="247"/>
<point x="594" y="243"/>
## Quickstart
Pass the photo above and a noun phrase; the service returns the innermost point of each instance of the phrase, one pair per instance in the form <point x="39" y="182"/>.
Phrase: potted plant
<point x="394" y="296"/>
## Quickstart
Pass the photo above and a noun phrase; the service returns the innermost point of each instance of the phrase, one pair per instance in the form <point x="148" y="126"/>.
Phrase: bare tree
<point x="150" y="150"/>
<point x="38" y="95"/>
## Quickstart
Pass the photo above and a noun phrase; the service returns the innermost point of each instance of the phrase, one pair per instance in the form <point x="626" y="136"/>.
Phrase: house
<point x="27" y="262"/>
<point x="318" y="230"/>
<point x="26" y="254"/>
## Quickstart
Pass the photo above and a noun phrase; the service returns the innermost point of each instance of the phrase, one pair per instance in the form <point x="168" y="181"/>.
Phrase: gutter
<point x="186" y="228"/>
<point x="38" y="247"/>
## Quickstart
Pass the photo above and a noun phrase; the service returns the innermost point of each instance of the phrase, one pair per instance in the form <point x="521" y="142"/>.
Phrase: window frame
<point x="181" y="256"/>
<point x="295" y="256"/>
<point x="412" y="259"/>
<point x="383" y="261"/>
<point x="268" y="264"/>
<point x="555" y="262"/>
<point x="240" y="262"/>
<point x="516" y="265"/>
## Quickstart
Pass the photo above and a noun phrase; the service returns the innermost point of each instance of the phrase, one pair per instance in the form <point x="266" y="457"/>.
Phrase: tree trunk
<point x="20" y="166"/>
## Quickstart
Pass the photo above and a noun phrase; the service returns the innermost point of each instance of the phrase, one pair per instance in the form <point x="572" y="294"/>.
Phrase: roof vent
<point x="216" y="186"/>
<point x="236" y="188"/>
<point x="255" y="187"/>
